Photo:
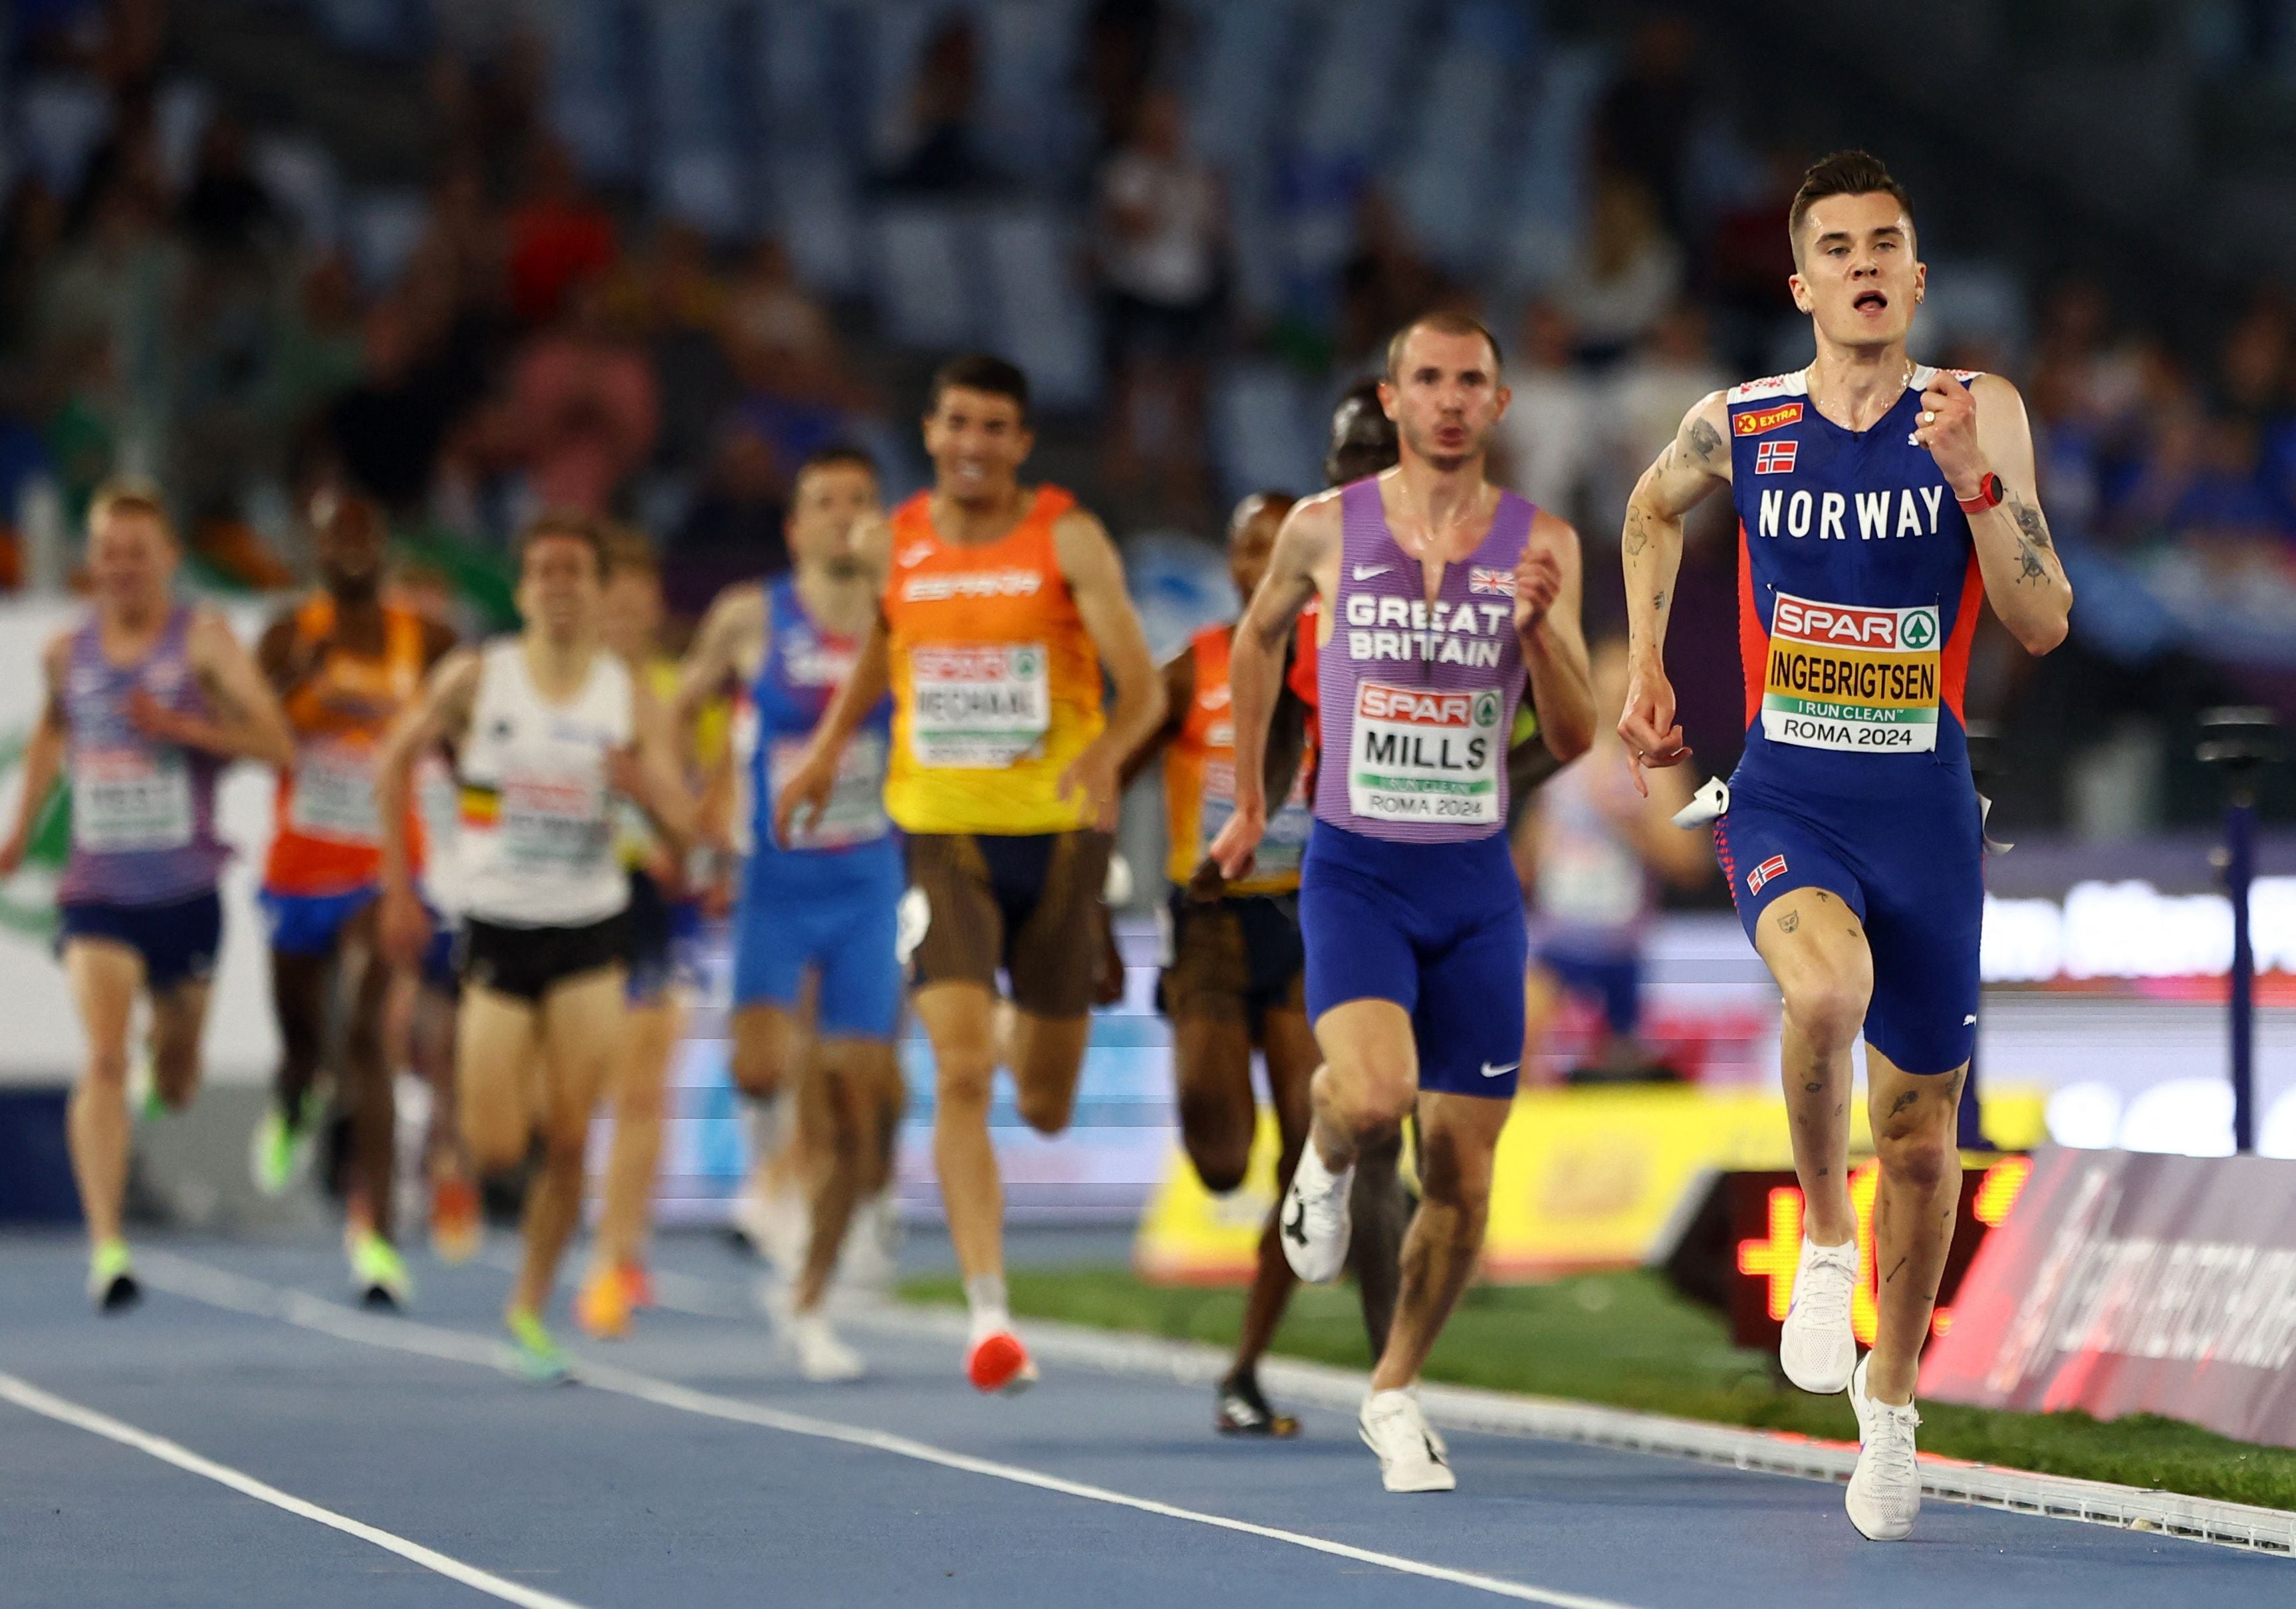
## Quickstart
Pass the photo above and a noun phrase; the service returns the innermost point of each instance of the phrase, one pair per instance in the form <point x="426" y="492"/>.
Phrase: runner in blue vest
<point x="827" y="902"/>
<point x="1879" y="502"/>
<point x="1440" y="594"/>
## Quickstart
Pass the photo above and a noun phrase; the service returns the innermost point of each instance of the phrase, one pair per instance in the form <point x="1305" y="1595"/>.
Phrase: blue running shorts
<point x="178" y="941"/>
<point x="1437" y="928"/>
<point x="311" y="924"/>
<point x="845" y="928"/>
<point x="1912" y="869"/>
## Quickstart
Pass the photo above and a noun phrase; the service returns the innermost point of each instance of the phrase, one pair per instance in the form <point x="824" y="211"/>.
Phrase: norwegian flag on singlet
<point x="1775" y="457"/>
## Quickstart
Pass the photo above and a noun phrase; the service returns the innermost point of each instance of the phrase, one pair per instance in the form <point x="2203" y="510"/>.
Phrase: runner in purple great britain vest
<point x="148" y="700"/>
<point x="1878" y="502"/>
<point x="1440" y="594"/>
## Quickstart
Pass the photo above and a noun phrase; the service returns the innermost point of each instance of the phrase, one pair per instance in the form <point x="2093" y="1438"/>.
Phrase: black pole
<point x="2242" y="741"/>
<point x="2239" y="871"/>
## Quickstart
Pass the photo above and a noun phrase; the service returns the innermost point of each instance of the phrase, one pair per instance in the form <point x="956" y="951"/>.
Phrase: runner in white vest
<point x="549" y="728"/>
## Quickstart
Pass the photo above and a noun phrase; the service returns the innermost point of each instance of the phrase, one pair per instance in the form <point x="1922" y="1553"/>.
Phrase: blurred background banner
<point x="2127" y="1284"/>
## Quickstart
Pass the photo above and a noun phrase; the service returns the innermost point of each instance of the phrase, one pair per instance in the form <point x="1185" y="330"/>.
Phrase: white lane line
<point x="25" y="1395"/>
<point x="219" y="1288"/>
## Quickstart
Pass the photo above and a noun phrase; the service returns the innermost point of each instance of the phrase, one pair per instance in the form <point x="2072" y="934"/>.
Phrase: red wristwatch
<point x="1989" y="494"/>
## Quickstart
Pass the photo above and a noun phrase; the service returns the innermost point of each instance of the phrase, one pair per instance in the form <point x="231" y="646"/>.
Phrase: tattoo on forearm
<point x="1637" y="531"/>
<point x="1658" y="599"/>
<point x="1703" y="440"/>
<point x="2032" y="541"/>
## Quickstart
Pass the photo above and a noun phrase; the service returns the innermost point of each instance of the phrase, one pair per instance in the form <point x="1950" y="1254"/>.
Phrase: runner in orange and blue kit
<point x="343" y="662"/>
<point x="1880" y="503"/>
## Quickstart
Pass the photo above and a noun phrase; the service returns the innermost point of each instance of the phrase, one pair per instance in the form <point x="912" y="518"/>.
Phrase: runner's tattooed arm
<point x="44" y="756"/>
<point x="1981" y="430"/>
<point x="248" y="723"/>
<point x="1303" y="563"/>
<point x="440" y="714"/>
<point x="1548" y="585"/>
<point x="810" y="785"/>
<point x="1089" y="563"/>
<point x="1693" y="467"/>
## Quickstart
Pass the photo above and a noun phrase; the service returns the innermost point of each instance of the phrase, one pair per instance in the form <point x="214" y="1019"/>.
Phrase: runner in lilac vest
<point x="148" y="700"/>
<point x="1441" y="595"/>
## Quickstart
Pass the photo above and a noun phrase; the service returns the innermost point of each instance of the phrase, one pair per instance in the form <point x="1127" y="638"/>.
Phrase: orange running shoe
<point x="999" y="1362"/>
<point x="637" y="1287"/>
<point x="457" y="1226"/>
<point x="603" y="1307"/>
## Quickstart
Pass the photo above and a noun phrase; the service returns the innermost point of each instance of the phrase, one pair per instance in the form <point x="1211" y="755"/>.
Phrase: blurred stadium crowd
<point x="483" y="256"/>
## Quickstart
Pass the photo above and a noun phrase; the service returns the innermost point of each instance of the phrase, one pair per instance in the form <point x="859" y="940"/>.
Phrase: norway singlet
<point x="326" y="838"/>
<point x="997" y="684"/>
<point x="1200" y="782"/>
<point x="1858" y="597"/>
<point x="1408" y="893"/>
<point x="536" y="838"/>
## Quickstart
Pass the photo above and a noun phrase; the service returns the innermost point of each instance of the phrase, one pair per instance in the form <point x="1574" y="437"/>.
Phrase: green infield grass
<point x="1630" y="1339"/>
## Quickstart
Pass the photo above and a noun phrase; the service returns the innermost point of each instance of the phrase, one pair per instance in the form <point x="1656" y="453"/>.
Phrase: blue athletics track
<point x="247" y="1438"/>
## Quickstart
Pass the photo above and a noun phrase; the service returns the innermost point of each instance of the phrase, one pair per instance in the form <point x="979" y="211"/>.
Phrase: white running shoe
<point x="1316" y="1227"/>
<point x="1410" y="1456"/>
<point x="1817" y="1351"/>
<point x="1885" y="1489"/>
<point x="779" y="1225"/>
<point x="821" y="1356"/>
<point x="869" y="1261"/>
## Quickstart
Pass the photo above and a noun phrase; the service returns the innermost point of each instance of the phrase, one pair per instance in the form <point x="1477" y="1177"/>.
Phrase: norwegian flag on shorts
<point x="1775" y="867"/>
<point x="1775" y="457"/>
<point x="1484" y="579"/>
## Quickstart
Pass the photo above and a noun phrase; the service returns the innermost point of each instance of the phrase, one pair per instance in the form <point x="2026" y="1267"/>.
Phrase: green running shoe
<point x="378" y="1273"/>
<point x="539" y="1358"/>
<point x="279" y="1151"/>
<point x="111" y="1278"/>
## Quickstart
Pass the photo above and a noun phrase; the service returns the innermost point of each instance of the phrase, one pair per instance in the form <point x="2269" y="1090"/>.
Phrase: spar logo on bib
<point x="1844" y="675"/>
<point x="1424" y="755"/>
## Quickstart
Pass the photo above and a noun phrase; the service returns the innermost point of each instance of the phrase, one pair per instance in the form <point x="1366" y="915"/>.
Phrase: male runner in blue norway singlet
<point x="1877" y="502"/>
<point x="827" y="902"/>
<point x="1439" y="594"/>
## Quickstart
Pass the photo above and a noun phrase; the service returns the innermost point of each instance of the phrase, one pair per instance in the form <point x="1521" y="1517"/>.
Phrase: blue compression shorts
<point x="178" y="941"/>
<point x="1913" y="871"/>
<point x="844" y="927"/>
<point x="311" y="924"/>
<point x="1438" y="929"/>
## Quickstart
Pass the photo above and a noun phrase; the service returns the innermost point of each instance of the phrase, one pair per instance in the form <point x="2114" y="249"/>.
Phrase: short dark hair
<point x="1844" y="173"/>
<point x="979" y="372"/>
<point x="585" y="529"/>
<point x="829" y="457"/>
<point x="626" y="548"/>
<point x="1443" y="321"/>
<point x="1364" y="440"/>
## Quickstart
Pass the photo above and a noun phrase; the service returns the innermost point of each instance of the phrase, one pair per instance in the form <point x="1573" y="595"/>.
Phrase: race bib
<point x="1843" y="676"/>
<point x="1285" y="842"/>
<point x="553" y="826"/>
<point x="855" y="810"/>
<point x="977" y="706"/>
<point x="1422" y="755"/>
<point x="334" y="796"/>
<point x="130" y="800"/>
